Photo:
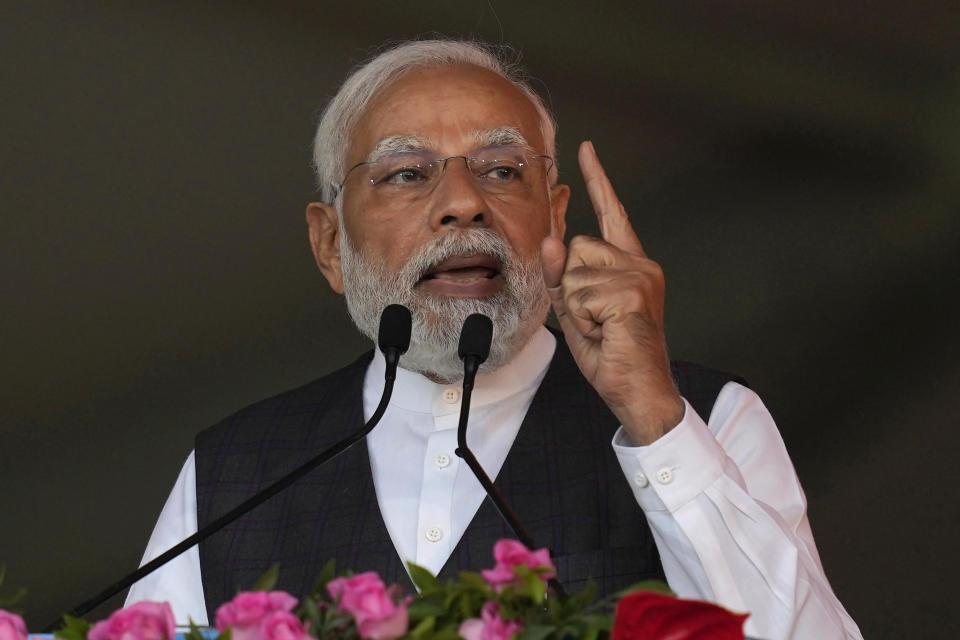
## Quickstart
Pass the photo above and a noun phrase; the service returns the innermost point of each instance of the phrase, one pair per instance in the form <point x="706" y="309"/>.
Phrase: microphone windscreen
<point x="475" y="337"/>
<point x="395" y="327"/>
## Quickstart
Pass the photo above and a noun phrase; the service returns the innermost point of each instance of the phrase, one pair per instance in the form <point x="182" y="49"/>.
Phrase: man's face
<point x="458" y="246"/>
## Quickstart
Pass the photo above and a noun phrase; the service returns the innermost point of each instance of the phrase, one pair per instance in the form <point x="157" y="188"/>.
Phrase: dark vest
<point x="561" y="477"/>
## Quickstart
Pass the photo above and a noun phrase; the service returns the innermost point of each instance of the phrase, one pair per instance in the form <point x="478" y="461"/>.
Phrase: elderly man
<point x="440" y="192"/>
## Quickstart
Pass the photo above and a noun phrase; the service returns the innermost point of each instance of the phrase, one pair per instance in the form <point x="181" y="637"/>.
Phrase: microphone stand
<point x="394" y="339"/>
<point x="474" y="348"/>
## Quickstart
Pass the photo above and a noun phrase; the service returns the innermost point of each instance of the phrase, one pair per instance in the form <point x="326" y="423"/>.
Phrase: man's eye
<point x="502" y="173"/>
<point x="403" y="176"/>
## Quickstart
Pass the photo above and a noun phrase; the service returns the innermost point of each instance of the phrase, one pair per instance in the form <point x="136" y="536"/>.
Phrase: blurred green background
<point x="793" y="166"/>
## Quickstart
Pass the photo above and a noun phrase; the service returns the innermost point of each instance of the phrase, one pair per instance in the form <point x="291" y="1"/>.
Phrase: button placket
<point x="436" y="497"/>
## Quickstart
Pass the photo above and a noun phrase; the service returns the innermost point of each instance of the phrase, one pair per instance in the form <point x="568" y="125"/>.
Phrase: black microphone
<point x="393" y="339"/>
<point x="474" y="348"/>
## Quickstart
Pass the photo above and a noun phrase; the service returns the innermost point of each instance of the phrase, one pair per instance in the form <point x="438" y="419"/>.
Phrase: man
<point x="440" y="192"/>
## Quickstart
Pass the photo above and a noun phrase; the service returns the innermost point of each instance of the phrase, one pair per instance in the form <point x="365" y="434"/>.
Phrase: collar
<point x="415" y="392"/>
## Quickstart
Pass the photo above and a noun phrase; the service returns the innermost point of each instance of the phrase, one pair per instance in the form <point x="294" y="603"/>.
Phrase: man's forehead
<point x="495" y="136"/>
<point x="456" y="105"/>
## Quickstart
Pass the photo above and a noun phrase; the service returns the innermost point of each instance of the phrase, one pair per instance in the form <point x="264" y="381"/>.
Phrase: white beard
<point x="517" y="310"/>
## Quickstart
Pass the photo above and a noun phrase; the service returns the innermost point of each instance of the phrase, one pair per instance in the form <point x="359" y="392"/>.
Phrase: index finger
<point x="615" y="226"/>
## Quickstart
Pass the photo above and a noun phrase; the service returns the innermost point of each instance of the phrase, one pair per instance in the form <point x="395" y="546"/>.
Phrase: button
<point x="451" y="395"/>
<point x="664" y="476"/>
<point x="434" y="534"/>
<point x="641" y="479"/>
<point x="442" y="460"/>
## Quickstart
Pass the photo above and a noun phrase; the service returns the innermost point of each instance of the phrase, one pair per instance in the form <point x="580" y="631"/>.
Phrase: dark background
<point x="793" y="166"/>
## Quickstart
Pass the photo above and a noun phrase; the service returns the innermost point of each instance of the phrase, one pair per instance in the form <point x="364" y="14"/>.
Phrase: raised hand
<point x="608" y="297"/>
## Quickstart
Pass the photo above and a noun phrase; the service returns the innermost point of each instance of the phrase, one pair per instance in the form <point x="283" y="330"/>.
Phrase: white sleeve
<point x="730" y="519"/>
<point x="177" y="582"/>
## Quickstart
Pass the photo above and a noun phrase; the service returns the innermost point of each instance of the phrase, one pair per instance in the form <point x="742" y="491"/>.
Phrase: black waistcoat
<point x="561" y="477"/>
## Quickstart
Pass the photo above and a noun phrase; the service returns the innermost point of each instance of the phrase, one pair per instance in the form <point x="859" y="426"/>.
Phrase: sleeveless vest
<point x="561" y="477"/>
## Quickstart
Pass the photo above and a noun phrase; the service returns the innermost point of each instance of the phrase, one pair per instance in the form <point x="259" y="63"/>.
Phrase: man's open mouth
<point x="464" y="269"/>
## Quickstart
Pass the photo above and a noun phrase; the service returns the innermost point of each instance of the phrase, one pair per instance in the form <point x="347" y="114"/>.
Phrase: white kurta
<point x="723" y="501"/>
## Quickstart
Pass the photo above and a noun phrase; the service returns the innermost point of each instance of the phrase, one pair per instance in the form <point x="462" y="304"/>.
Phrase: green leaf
<point x="601" y="621"/>
<point x="423" y="608"/>
<point x="658" y="586"/>
<point x="582" y="599"/>
<point x="474" y="580"/>
<point x="424" y="580"/>
<point x="535" y="632"/>
<point x="535" y="587"/>
<point x="73" y="628"/>
<point x="268" y="580"/>
<point x="310" y="613"/>
<point x="328" y="573"/>
<point x="193" y="633"/>
<point x="424" y="628"/>
<point x="9" y="598"/>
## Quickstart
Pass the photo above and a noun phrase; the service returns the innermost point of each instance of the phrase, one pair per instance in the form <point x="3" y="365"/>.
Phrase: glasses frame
<point x="338" y="187"/>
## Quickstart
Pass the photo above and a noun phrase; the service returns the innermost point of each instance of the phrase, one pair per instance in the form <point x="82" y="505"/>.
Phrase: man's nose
<point x="457" y="199"/>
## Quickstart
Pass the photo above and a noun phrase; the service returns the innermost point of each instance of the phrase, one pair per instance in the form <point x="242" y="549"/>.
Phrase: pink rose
<point x="282" y="625"/>
<point x="489" y="626"/>
<point x="365" y="597"/>
<point x="140" y="621"/>
<point x="510" y="554"/>
<point x="12" y="626"/>
<point x="245" y="614"/>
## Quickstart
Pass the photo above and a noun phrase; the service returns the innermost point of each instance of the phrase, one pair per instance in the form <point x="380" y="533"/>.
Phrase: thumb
<point x="553" y="259"/>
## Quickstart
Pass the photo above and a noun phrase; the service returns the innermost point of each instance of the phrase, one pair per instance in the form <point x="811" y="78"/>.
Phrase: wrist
<point x="645" y="422"/>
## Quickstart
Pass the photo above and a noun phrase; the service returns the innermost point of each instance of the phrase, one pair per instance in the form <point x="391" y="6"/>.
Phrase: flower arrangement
<point x="510" y="601"/>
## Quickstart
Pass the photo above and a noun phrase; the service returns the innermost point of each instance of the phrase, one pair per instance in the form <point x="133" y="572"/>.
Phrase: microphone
<point x="393" y="339"/>
<point x="474" y="347"/>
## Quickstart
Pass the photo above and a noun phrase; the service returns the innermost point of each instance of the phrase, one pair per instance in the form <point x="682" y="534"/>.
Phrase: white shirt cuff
<point x="676" y="468"/>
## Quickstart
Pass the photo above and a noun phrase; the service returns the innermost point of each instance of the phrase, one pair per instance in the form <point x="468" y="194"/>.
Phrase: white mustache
<point x="465" y="243"/>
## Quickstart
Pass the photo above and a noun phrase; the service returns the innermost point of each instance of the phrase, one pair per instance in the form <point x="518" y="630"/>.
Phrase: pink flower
<point x="12" y="626"/>
<point x="365" y="597"/>
<point x="282" y="625"/>
<point x="247" y="612"/>
<point x="510" y="554"/>
<point x="140" y="621"/>
<point x="489" y="626"/>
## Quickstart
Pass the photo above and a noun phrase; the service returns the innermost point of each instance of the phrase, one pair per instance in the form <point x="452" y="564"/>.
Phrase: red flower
<point x="647" y="615"/>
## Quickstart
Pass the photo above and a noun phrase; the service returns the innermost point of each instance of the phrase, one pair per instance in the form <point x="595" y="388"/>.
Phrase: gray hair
<point x="345" y="110"/>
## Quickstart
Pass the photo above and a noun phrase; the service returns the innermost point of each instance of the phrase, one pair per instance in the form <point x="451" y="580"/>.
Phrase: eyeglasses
<point x="502" y="169"/>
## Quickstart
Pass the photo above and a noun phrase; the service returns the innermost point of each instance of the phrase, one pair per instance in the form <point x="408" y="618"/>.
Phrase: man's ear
<point x="559" y="198"/>
<point x="325" y="242"/>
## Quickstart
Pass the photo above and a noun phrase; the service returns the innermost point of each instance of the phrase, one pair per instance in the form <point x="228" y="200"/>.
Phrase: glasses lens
<point x="503" y="168"/>
<point x="403" y="169"/>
